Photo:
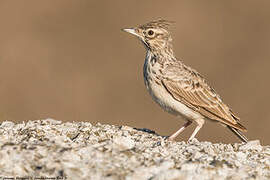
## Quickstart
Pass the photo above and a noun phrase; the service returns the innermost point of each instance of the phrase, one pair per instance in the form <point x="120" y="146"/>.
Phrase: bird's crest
<point x="160" y="23"/>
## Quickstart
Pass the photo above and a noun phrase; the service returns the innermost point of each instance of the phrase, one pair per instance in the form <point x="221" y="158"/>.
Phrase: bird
<point x="178" y="88"/>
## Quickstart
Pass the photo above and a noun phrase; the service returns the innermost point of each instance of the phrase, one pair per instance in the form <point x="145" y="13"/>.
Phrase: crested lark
<point x="178" y="88"/>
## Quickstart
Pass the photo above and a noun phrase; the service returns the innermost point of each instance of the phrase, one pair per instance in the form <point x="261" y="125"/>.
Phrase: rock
<point x="80" y="150"/>
<point x="123" y="143"/>
<point x="251" y="145"/>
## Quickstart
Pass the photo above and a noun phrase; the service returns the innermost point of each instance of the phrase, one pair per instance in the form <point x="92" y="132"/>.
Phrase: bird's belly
<point x="161" y="96"/>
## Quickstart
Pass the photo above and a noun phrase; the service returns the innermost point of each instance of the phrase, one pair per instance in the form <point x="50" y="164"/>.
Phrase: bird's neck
<point x="163" y="53"/>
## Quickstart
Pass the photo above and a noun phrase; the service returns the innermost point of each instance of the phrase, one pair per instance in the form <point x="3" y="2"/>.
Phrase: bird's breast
<point x="152" y="79"/>
<point x="152" y="72"/>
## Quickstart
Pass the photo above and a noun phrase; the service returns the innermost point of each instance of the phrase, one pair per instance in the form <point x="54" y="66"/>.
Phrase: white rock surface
<point x="80" y="150"/>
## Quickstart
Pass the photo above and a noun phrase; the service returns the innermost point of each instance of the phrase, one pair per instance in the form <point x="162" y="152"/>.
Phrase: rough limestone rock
<point x="80" y="150"/>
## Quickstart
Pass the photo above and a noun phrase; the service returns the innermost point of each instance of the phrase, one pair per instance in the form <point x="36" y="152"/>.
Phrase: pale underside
<point x="182" y="91"/>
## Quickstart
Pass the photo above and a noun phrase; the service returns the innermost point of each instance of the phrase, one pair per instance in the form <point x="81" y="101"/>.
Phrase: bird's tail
<point x="238" y="133"/>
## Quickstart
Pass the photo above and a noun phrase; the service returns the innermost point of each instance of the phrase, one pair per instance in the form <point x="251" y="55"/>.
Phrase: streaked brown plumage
<point x="177" y="88"/>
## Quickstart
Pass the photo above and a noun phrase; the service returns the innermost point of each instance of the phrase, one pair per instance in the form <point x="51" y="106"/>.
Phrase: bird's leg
<point x="200" y="123"/>
<point x="174" y="135"/>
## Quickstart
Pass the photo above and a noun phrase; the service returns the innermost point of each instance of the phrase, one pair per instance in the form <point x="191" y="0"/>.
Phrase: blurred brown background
<point x="69" y="60"/>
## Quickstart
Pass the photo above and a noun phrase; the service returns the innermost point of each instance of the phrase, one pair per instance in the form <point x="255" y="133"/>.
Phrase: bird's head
<point x="155" y="35"/>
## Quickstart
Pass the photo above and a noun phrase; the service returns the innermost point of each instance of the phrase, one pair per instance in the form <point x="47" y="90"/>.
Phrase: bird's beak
<point x="131" y="31"/>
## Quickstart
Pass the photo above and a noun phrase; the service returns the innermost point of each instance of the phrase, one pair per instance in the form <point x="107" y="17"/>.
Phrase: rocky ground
<point x="80" y="150"/>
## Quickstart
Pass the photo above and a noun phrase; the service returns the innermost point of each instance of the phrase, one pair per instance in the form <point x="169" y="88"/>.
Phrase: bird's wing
<point x="189" y="87"/>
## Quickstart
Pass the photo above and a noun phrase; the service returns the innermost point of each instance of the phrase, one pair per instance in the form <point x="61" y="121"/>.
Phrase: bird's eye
<point x="150" y="33"/>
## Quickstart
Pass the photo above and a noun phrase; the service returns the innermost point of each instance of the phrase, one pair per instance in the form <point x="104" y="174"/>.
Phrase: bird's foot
<point x="166" y="137"/>
<point x="192" y="141"/>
